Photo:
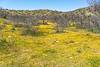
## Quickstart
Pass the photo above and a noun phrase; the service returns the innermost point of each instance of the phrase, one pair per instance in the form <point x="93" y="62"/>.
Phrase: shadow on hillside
<point x="33" y="33"/>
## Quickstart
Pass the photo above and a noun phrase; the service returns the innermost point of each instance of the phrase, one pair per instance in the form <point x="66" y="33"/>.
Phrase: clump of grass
<point x="50" y="51"/>
<point x="32" y="32"/>
<point x="2" y="25"/>
<point x="3" y="44"/>
<point x="1" y="21"/>
<point x="7" y="44"/>
<point x="95" y="30"/>
<point x="94" y="61"/>
<point x="71" y="41"/>
<point x="88" y="34"/>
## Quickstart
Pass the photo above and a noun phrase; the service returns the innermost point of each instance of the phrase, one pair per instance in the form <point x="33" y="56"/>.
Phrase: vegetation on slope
<point x="84" y="18"/>
<point x="22" y="47"/>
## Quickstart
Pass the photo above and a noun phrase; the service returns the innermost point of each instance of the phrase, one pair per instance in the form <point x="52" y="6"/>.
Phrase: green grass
<point x="74" y="48"/>
<point x="94" y="61"/>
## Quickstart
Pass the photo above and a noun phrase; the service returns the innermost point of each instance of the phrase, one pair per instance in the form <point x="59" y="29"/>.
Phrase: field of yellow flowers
<point x="74" y="48"/>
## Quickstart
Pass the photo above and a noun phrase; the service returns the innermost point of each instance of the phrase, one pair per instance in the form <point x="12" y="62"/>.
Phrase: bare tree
<point x="95" y="6"/>
<point x="61" y="23"/>
<point x="95" y="9"/>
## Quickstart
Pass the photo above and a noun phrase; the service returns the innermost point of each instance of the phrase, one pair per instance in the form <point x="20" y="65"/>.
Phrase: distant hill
<point x="81" y="18"/>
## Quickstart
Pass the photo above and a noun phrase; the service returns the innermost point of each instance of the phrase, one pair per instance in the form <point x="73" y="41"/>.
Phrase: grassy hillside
<point x="83" y="18"/>
<point x="45" y="48"/>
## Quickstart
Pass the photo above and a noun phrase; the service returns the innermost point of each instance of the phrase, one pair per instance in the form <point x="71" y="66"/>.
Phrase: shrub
<point x="94" y="61"/>
<point x="3" y="43"/>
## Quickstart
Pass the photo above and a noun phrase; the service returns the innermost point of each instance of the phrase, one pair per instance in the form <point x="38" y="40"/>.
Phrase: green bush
<point x="3" y="43"/>
<point x="94" y="61"/>
<point x="95" y="30"/>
